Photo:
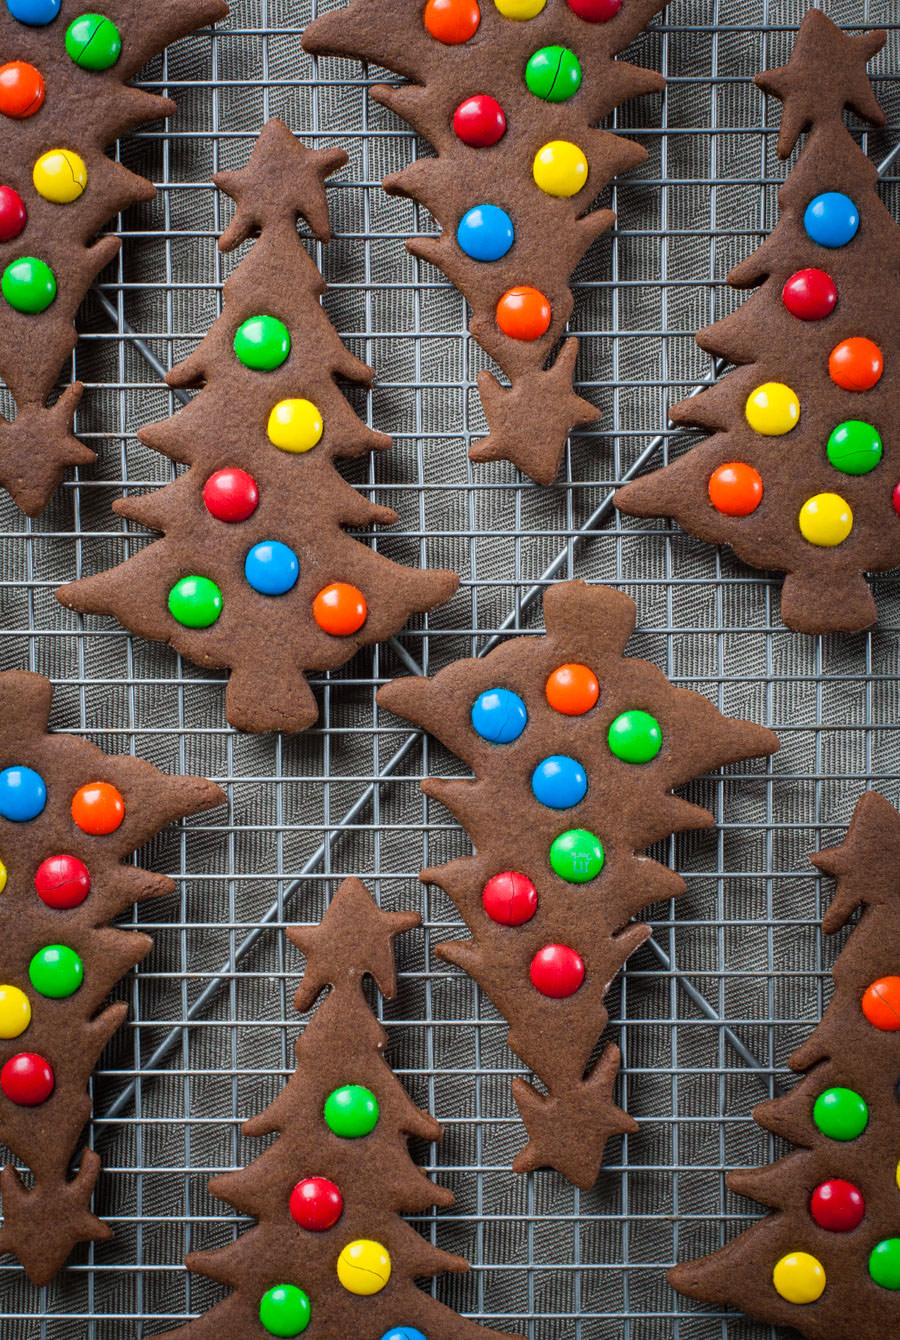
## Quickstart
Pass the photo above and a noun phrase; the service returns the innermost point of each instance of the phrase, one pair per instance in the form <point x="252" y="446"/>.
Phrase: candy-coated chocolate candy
<point x="895" y="498"/>
<point x="56" y="971"/>
<point x="62" y="882"/>
<point x="520" y="9"/>
<point x="22" y="90"/>
<point x="831" y="219"/>
<point x="351" y="1111"/>
<point x="13" y="214"/>
<point x="15" y="1011"/>
<point x="23" y="794"/>
<point x="499" y="716"/>
<point x="340" y="609"/>
<point x="595" y="11"/>
<point x="840" y="1114"/>
<point x="98" y="808"/>
<point x="735" y="488"/>
<point x="284" y="1310"/>
<point x="884" y="1263"/>
<point x="810" y="295"/>
<point x="452" y="21"/>
<point x="272" y="568"/>
<point x="316" y="1204"/>
<point x="510" y="898"/>
<point x="854" y="447"/>
<point x="231" y="494"/>
<point x="572" y="689"/>
<point x="479" y="121"/>
<point x="577" y="856"/>
<point x="523" y="313"/>
<point x="559" y="782"/>
<point x="553" y="74"/>
<point x="295" y="425"/>
<point x="485" y="233"/>
<point x="93" y="42"/>
<point x="36" y="13"/>
<point x="772" y="409"/>
<point x="560" y="168"/>
<point x="856" y="364"/>
<point x="60" y="176"/>
<point x="799" y="1278"/>
<point x="364" y="1267"/>
<point x="897" y="1176"/>
<point x="262" y="343"/>
<point x="635" y="736"/>
<point x="28" y="285"/>
<point x="3" y="876"/>
<point x="837" y="1205"/>
<point x="404" y="1333"/>
<point x="557" y="971"/>
<point x="195" y="602"/>
<point x="27" y="1079"/>
<point x="825" y="520"/>
<point x="881" y="1004"/>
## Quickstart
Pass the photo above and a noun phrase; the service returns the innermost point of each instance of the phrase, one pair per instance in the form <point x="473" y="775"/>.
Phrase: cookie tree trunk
<point x="527" y="145"/>
<point x="557" y="875"/>
<point x="808" y="486"/>
<point x="277" y="430"/>
<point x="826" y="1259"/>
<point x="66" y="98"/>
<point x="329" y="1255"/>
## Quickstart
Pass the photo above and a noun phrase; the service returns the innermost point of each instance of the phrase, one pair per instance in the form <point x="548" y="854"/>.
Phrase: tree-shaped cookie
<point x="509" y="93"/>
<point x="70" y="816"/>
<point x="826" y="1259"/>
<point x="256" y="571"/>
<point x="799" y="474"/>
<point x="329" y="1255"/>
<point x="63" y="99"/>
<point x="575" y="750"/>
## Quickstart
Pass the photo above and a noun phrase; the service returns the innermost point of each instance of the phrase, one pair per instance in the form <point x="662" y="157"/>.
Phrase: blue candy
<point x="271" y="568"/>
<point x="831" y="219"/>
<point x="499" y="715"/>
<point x="23" y="794"/>
<point x="485" y="233"/>
<point x="35" y="13"/>
<point x="559" y="782"/>
<point x="404" y="1333"/>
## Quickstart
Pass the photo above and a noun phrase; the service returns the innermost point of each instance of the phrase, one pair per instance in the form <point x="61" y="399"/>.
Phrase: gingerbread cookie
<point x="575" y="751"/>
<point x="799" y="474"/>
<point x="509" y="92"/>
<point x="70" y="816"/>
<point x="826" y="1260"/>
<point x="64" y="97"/>
<point x="256" y="570"/>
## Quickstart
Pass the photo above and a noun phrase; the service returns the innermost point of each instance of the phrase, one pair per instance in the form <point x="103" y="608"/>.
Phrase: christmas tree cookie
<point x="330" y="1257"/>
<point x="70" y="816"/>
<point x="509" y="93"/>
<point x="575" y="750"/>
<point x="800" y="473"/>
<point x="826" y="1259"/>
<point x="256" y="571"/>
<point x="64" y="97"/>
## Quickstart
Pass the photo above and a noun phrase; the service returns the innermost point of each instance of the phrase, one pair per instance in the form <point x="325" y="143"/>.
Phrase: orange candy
<point x="881" y="1004"/>
<point x="21" y="90"/>
<point x="98" y="808"/>
<point x="523" y="313"/>
<point x="452" y="21"/>
<point x="735" y="489"/>
<point x="856" y="364"/>
<point x="340" y="609"/>
<point x="572" y="689"/>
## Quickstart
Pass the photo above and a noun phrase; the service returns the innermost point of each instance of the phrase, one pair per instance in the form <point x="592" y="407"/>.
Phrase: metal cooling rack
<point x="736" y="973"/>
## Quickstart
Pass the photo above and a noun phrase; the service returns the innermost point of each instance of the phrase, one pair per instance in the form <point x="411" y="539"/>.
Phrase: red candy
<point x="62" y="882"/>
<point x="316" y="1204"/>
<point x="837" y="1206"/>
<point x="27" y="1079"/>
<point x="895" y="496"/>
<point x="510" y="898"/>
<point x="595" y="11"/>
<point x="13" y="214"/>
<point x="557" y="971"/>
<point x="856" y="364"/>
<point x="881" y="1004"/>
<point x="21" y="90"/>
<point x="452" y="21"/>
<point x="231" y="495"/>
<point x="98" y="808"/>
<point x="810" y="295"/>
<point x="479" y="121"/>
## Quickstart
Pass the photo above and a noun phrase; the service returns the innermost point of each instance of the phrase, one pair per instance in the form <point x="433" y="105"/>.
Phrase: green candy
<point x="854" y="447"/>
<point x="884" y="1263"/>
<point x="195" y="602"/>
<point x="93" y="42"/>
<point x="351" y="1111"/>
<point x="284" y="1310"/>
<point x="635" y="737"/>
<point x="577" y="856"/>
<point x="29" y="285"/>
<point x="841" y="1114"/>
<point x="262" y="343"/>
<point x="553" y="74"/>
<point x="56" y="971"/>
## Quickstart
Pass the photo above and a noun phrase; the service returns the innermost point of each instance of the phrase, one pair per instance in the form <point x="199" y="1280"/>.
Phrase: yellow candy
<point x="364" y="1267"/>
<point x="295" y="425"/>
<point x="799" y="1278"/>
<point x="772" y="409"/>
<point x="60" y="176"/>
<point x="560" y="168"/>
<point x="520" y="9"/>
<point x="2" y="876"/>
<point x="897" y="1174"/>
<point x="15" y="1011"/>
<point x="825" y="520"/>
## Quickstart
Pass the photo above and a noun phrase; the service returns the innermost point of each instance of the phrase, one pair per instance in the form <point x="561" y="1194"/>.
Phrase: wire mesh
<point x="736" y="973"/>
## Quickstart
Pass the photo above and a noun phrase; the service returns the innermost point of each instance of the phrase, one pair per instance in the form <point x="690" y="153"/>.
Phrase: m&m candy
<point x="635" y="736"/>
<point x="772" y="409"/>
<point x="560" y="168"/>
<point x="854" y="447"/>
<point x="22" y="90"/>
<point x="452" y="21"/>
<point x="881" y="1004"/>
<point x="559" y="782"/>
<point x="13" y="214"/>
<point x="15" y="1011"/>
<point x="837" y="1205"/>
<point x="856" y="364"/>
<point x="340" y="609"/>
<point x="27" y="1079"/>
<point x="351" y="1111"/>
<point x="577" y="856"/>
<point x="23" y="794"/>
<point x="799" y="1278"/>
<point x="231" y="495"/>
<point x="523" y="313"/>
<point x="28" y="285"/>
<point x="825" y="520"/>
<point x="262" y="343"/>
<point x="195" y="602"/>
<point x="479" y="121"/>
<point x="810" y="295"/>
<point x="36" y="13"/>
<point x="553" y="74"/>
<point x="93" y="42"/>
<point x="272" y="568"/>
<point x="316" y="1204"/>
<point x="557" y="971"/>
<point x="56" y="971"/>
<point x="572" y="689"/>
<point x="510" y="898"/>
<point x="831" y="219"/>
<point x="3" y="876"/>
<point x="884" y="1263"/>
<point x="62" y="882"/>
<point x="520" y="9"/>
<point x="841" y="1114"/>
<point x="60" y="176"/>
<point x="364" y="1267"/>
<point x="284" y="1310"/>
<point x="735" y="488"/>
<point x="485" y="233"/>
<point x="98" y="808"/>
<point x="295" y="425"/>
<point x="404" y="1333"/>
<point x="895" y="498"/>
<point x="499" y="716"/>
<point x="595" y="11"/>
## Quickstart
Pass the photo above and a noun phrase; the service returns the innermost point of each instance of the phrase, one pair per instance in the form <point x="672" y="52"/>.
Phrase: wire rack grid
<point x="736" y="973"/>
